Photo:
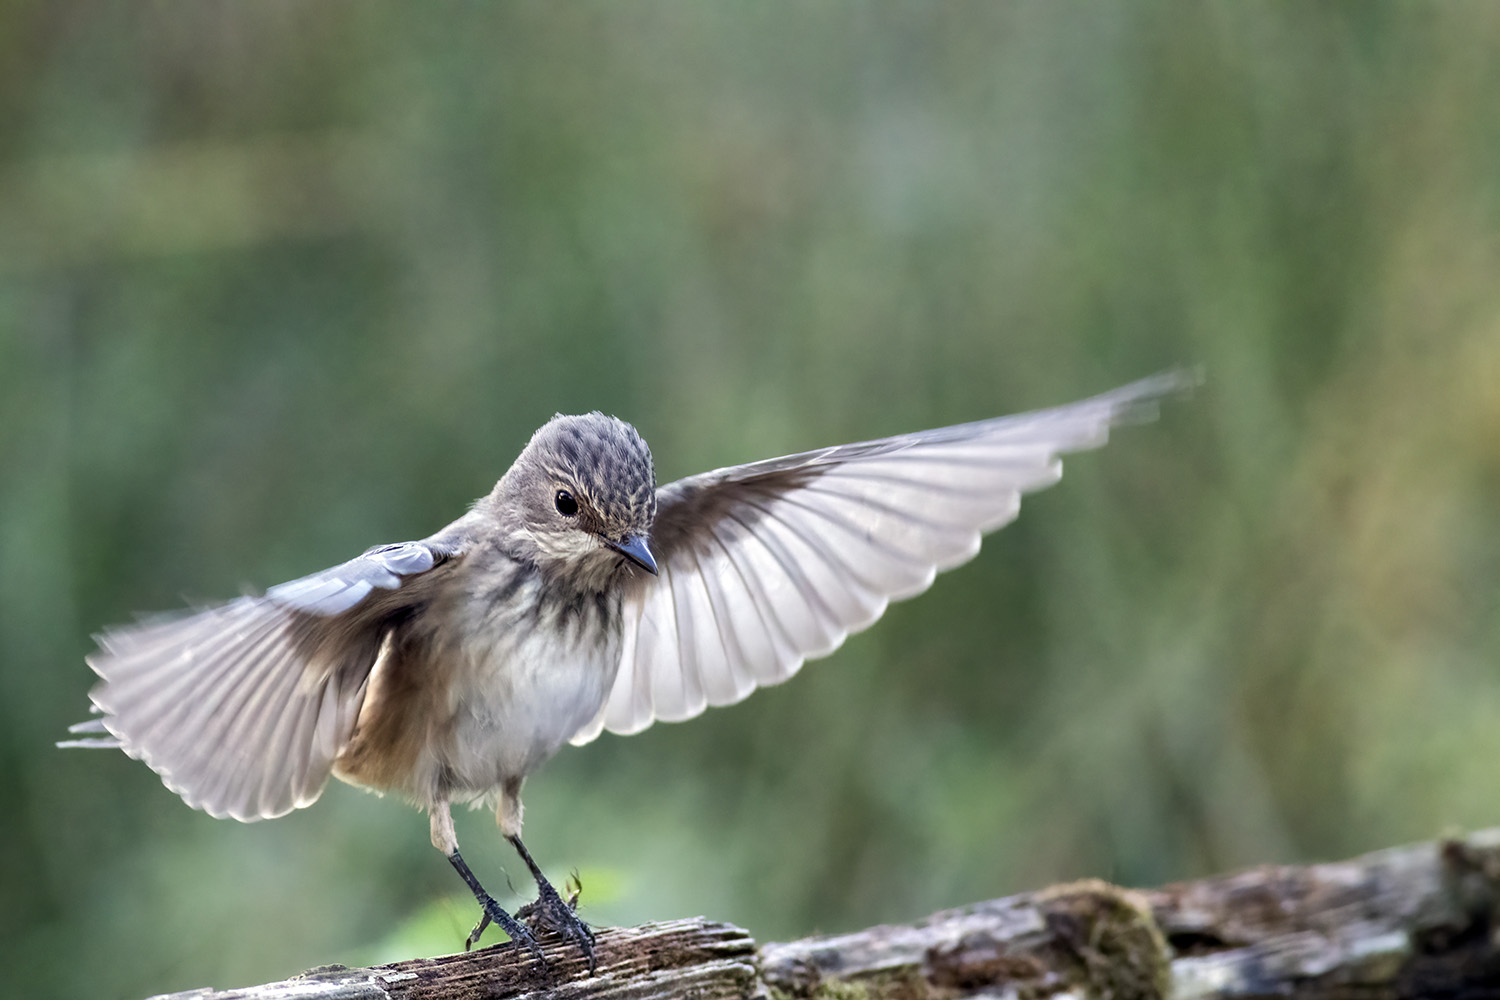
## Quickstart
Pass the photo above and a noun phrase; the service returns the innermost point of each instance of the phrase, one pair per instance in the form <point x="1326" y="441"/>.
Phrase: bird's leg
<point x="446" y="840"/>
<point x="548" y="911"/>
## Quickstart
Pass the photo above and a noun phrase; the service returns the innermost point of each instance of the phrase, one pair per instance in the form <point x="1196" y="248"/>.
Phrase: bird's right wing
<point x="243" y="707"/>
<point x="763" y="566"/>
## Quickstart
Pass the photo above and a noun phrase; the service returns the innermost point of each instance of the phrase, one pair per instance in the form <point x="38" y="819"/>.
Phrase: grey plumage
<point x="447" y="669"/>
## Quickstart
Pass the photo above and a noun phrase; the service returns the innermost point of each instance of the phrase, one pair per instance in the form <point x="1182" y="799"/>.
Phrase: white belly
<point x="521" y="693"/>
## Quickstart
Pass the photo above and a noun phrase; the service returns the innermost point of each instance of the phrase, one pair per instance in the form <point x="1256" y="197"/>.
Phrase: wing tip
<point x="1139" y="401"/>
<point x="92" y="735"/>
<point x="90" y="743"/>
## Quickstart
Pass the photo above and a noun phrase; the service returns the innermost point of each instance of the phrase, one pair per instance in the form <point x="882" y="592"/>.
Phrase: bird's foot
<point x="490" y="912"/>
<point x="550" y="913"/>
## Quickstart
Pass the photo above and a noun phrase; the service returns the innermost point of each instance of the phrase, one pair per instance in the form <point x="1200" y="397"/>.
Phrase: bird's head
<point x="581" y="498"/>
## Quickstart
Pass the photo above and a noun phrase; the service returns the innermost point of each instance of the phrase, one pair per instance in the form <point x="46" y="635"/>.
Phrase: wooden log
<point x="1416" y="921"/>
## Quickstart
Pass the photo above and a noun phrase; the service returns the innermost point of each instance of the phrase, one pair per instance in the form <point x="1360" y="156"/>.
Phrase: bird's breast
<point x="534" y="665"/>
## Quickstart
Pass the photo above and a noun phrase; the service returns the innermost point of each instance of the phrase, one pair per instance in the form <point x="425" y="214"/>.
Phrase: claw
<point x="477" y="932"/>
<point x="551" y="914"/>
<point x="519" y="933"/>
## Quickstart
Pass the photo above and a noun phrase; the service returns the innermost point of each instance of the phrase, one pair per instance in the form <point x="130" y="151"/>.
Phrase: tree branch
<point x="1415" y="921"/>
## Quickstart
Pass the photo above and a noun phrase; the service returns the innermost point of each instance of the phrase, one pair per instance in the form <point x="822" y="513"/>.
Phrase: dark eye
<point x="566" y="505"/>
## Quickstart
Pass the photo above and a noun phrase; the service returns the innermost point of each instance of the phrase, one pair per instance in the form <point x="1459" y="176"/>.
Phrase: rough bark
<point x="1415" y="921"/>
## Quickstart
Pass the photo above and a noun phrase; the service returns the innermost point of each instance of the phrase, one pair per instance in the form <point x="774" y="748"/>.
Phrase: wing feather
<point x="242" y="708"/>
<point x="761" y="649"/>
<point x="725" y="678"/>
<point x="705" y="638"/>
<point x="677" y="693"/>
<point x="766" y="565"/>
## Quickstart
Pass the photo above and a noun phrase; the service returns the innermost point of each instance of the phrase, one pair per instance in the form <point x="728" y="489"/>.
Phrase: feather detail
<point x="766" y="565"/>
<point x="243" y="708"/>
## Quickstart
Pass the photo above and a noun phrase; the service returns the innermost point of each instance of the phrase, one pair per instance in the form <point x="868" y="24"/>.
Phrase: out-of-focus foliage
<point x="282" y="280"/>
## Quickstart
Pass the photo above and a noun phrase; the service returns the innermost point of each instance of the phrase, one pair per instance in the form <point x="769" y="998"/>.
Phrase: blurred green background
<point x="279" y="281"/>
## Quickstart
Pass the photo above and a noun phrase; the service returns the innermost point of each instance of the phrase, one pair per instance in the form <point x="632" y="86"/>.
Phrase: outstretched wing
<point x="243" y="707"/>
<point x="763" y="566"/>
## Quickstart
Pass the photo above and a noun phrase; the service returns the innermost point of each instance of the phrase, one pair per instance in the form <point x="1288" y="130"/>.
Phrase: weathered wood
<point x="673" y="959"/>
<point x="1413" y="922"/>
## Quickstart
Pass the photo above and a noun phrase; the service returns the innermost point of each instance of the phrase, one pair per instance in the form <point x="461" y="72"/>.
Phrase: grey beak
<point x="635" y="549"/>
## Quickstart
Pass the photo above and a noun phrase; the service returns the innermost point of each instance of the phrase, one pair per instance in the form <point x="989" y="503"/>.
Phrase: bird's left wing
<point x="763" y="566"/>
<point x="242" y="708"/>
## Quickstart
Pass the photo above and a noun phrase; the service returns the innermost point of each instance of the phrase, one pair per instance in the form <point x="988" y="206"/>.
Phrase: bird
<point x="577" y="596"/>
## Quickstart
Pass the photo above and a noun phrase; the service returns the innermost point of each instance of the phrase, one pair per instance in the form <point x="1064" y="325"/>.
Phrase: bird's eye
<point x="566" y="505"/>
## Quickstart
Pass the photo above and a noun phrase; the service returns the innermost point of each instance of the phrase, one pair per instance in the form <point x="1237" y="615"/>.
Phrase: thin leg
<point x="492" y="913"/>
<point x="550" y="911"/>
<point x="446" y="840"/>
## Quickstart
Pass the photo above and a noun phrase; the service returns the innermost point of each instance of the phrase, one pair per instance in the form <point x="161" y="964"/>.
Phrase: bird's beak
<point x="635" y="549"/>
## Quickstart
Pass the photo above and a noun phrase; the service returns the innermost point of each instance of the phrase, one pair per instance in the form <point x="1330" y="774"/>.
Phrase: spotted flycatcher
<point x="576" y="597"/>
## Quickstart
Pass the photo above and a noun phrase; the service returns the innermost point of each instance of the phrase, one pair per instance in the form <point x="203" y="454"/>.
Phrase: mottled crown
<point x="603" y="457"/>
